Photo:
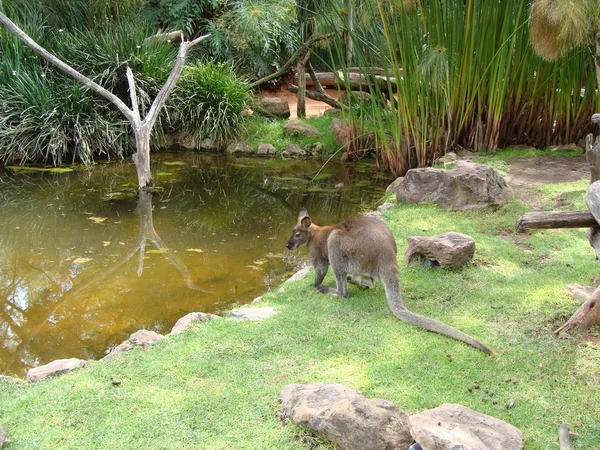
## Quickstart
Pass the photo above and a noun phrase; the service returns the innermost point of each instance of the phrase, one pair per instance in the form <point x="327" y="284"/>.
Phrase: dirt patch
<point x="527" y="172"/>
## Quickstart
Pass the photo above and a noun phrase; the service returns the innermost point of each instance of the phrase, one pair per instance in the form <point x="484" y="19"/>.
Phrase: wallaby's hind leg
<point x="364" y="281"/>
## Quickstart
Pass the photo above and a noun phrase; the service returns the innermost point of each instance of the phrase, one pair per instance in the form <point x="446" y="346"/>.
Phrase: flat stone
<point x="237" y="148"/>
<point x="141" y="338"/>
<point x="345" y="417"/>
<point x="448" y="249"/>
<point x="299" y="274"/>
<point x="278" y="107"/>
<point x="262" y="313"/>
<point x="295" y="127"/>
<point x="293" y="151"/>
<point x="189" y="320"/>
<point x="467" y="186"/>
<point x="456" y="427"/>
<point x="54" y="368"/>
<point x="266" y="150"/>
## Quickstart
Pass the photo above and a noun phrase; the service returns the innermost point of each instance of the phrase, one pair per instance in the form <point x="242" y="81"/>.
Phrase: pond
<point x="84" y="263"/>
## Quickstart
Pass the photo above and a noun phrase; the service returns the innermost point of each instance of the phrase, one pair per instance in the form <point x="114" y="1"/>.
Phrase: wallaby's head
<point x="300" y="232"/>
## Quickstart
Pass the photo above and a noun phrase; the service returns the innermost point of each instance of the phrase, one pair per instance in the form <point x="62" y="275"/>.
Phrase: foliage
<point x="217" y="385"/>
<point x="465" y="75"/>
<point x="208" y="102"/>
<point x="190" y="16"/>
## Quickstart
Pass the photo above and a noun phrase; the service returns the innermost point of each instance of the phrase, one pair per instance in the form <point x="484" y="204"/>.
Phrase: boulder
<point x="345" y="417"/>
<point x="339" y="130"/>
<point x="54" y="368"/>
<point x="467" y="186"/>
<point x="278" y="107"/>
<point x="299" y="275"/>
<point x="449" y="249"/>
<point x="295" y="127"/>
<point x="293" y="151"/>
<point x="266" y="150"/>
<point x="141" y="338"/>
<point x="189" y="320"/>
<point x="261" y="313"/>
<point x="453" y="427"/>
<point x="393" y="185"/>
<point x="210" y="145"/>
<point x="1" y="436"/>
<point x="315" y="149"/>
<point x="237" y="148"/>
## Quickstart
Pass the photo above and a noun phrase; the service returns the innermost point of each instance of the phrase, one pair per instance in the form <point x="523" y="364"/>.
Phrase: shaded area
<point x="84" y="262"/>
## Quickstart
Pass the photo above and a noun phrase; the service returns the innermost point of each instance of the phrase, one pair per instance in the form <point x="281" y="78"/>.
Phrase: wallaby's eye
<point x="297" y="235"/>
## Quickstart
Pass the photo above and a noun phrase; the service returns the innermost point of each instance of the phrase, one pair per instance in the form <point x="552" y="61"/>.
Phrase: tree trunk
<point x="141" y="157"/>
<point x="587" y="316"/>
<point x="301" y="71"/>
<point x="555" y="219"/>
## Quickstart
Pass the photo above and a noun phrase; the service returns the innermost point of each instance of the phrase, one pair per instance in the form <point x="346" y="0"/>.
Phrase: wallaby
<point x="365" y="248"/>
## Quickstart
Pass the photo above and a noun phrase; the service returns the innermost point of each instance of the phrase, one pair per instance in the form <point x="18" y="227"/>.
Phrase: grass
<point x="261" y="129"/>
<point x="217" y="385"/>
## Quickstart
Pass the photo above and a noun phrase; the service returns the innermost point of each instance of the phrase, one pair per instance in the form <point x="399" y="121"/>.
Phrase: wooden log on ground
<point x="356" y="81"/>
<point x="587" y="316"/>
<point x="555" y="219"/>
<point x="316" y="96"/>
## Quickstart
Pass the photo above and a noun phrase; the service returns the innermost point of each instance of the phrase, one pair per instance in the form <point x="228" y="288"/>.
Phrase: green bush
<point x="208" y="102"/>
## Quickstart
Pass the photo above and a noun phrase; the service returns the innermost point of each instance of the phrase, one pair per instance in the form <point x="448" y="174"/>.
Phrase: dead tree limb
<point x="564" y="438"/>
<point x="316" y="96"/>
<point x="555" y="219"/>
<point x="587" y="316"/>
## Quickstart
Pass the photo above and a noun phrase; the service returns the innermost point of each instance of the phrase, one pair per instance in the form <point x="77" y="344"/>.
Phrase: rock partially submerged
<point x="189" y="320"/>
<point x="56" y="367"/>
<point x="448" y="249"/>
<point x="346" y="417"/>
<point x="452" y="427"/>
<point x="141" y="338"/>
<point x="468" y="186"/>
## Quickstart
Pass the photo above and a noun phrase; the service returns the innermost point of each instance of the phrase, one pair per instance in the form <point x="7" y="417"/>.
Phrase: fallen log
<point x="587" y="316"/>
<point x="356" y="81"/>
<point x="316" y="96"/>
<point x="564" y="438"/>
<point x="556" y="219"/>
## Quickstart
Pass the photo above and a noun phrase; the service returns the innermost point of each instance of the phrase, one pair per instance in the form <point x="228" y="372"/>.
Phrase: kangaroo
<point x="365" y="248"/>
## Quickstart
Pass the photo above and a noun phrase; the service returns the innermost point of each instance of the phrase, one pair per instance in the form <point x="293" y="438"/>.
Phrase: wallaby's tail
<point x="392" y="290"/>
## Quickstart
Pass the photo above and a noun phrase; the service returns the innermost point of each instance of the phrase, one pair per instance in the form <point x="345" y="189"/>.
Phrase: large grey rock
<point x="189" y="320"/>
<point x="346" y="417"/>
<point x="54" y="368"/>
<point x="468" y="186"/>
<point x="293" y="151"/>
<point x="261" y="313"/>
<point x="237" y="148"/>
<point x="295" y="127"/>
<point x="279" y="107"/>
<point x="339" y="130"/>
<point x="456" y="427"/>
<point x="448" y="249"/>
<point x="141" y="338"/>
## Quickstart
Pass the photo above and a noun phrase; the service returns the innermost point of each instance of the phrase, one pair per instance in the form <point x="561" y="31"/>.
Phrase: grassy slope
<point x="217" y="385"/>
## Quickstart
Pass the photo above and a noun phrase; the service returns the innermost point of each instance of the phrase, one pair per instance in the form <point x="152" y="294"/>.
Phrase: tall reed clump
<point x="462" y="73"/>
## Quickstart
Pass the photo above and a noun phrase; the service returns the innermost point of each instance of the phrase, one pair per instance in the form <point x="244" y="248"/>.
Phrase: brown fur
<point x="364" y="248"/>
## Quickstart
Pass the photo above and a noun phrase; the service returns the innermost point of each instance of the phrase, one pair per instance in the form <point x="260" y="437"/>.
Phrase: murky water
<point x="84" y="263"/>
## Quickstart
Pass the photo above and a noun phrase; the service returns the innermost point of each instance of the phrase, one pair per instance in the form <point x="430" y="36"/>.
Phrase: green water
<point x="84" y="263"/>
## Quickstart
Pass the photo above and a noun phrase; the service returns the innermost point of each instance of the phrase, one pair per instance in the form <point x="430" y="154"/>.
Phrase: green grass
<point x="262" y="130"/>
<point x="217" y="385"/>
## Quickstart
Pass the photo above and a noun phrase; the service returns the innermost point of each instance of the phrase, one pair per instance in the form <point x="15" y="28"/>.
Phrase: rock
<point x="448" y="158"/>
<point x="1" y="436"/>
<point x="257" y="300"/>
<point x="261" y="313"/>
<point x="375" y="215"/>
<point x="210" y="145"/>
<point x="190" y="319"/>
<point x="266" y="150"/>
<point x="468" y="186"/>
<point x="278" y="107"/>
<point x="236" y="148"/>
<point x="345" y="417"/>
<point x="295" y="127"/>
<point x="579" y="292"/>
<point x="392" y="187"/>
<point x="141" y="338"/>
<point x="465" y="154"/>
<point x="299" y="275"/>
<point x="449" y="249"/>
<point x="54" y="368"/>
<point x="453" y="427"/>
<point x="385" y="206"/>
<point x="567" y="148"/>
<point x="293" y="151"/>
<point x="339" y="130"/>
<point x="315" y="149"/>
<point x="186" y="141"/>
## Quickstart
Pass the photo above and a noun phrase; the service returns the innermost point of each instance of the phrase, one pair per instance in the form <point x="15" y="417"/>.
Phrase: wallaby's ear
<point x="305" y="222"/>
<point x="303" y="213"/>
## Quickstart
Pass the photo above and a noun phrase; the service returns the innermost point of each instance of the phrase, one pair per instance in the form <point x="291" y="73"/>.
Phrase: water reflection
<point x="82" y="264"/>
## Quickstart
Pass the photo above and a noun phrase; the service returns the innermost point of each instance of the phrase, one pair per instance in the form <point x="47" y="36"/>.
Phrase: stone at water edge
<point x="242" y="148"/>
<point x="266" y="149"/>
<point x="141" y="338"/>
<point x="345" y="417"/>
<point x="189" y="320"/>
<point x="261" y="313"/>
<point x="448" y="249"/>
<point x="54" y="368"/>
<point x="295" y="127"/>
<point x="299" y="274"/>
<point x="451" y="427"/>
<point x="293" y="151"/>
